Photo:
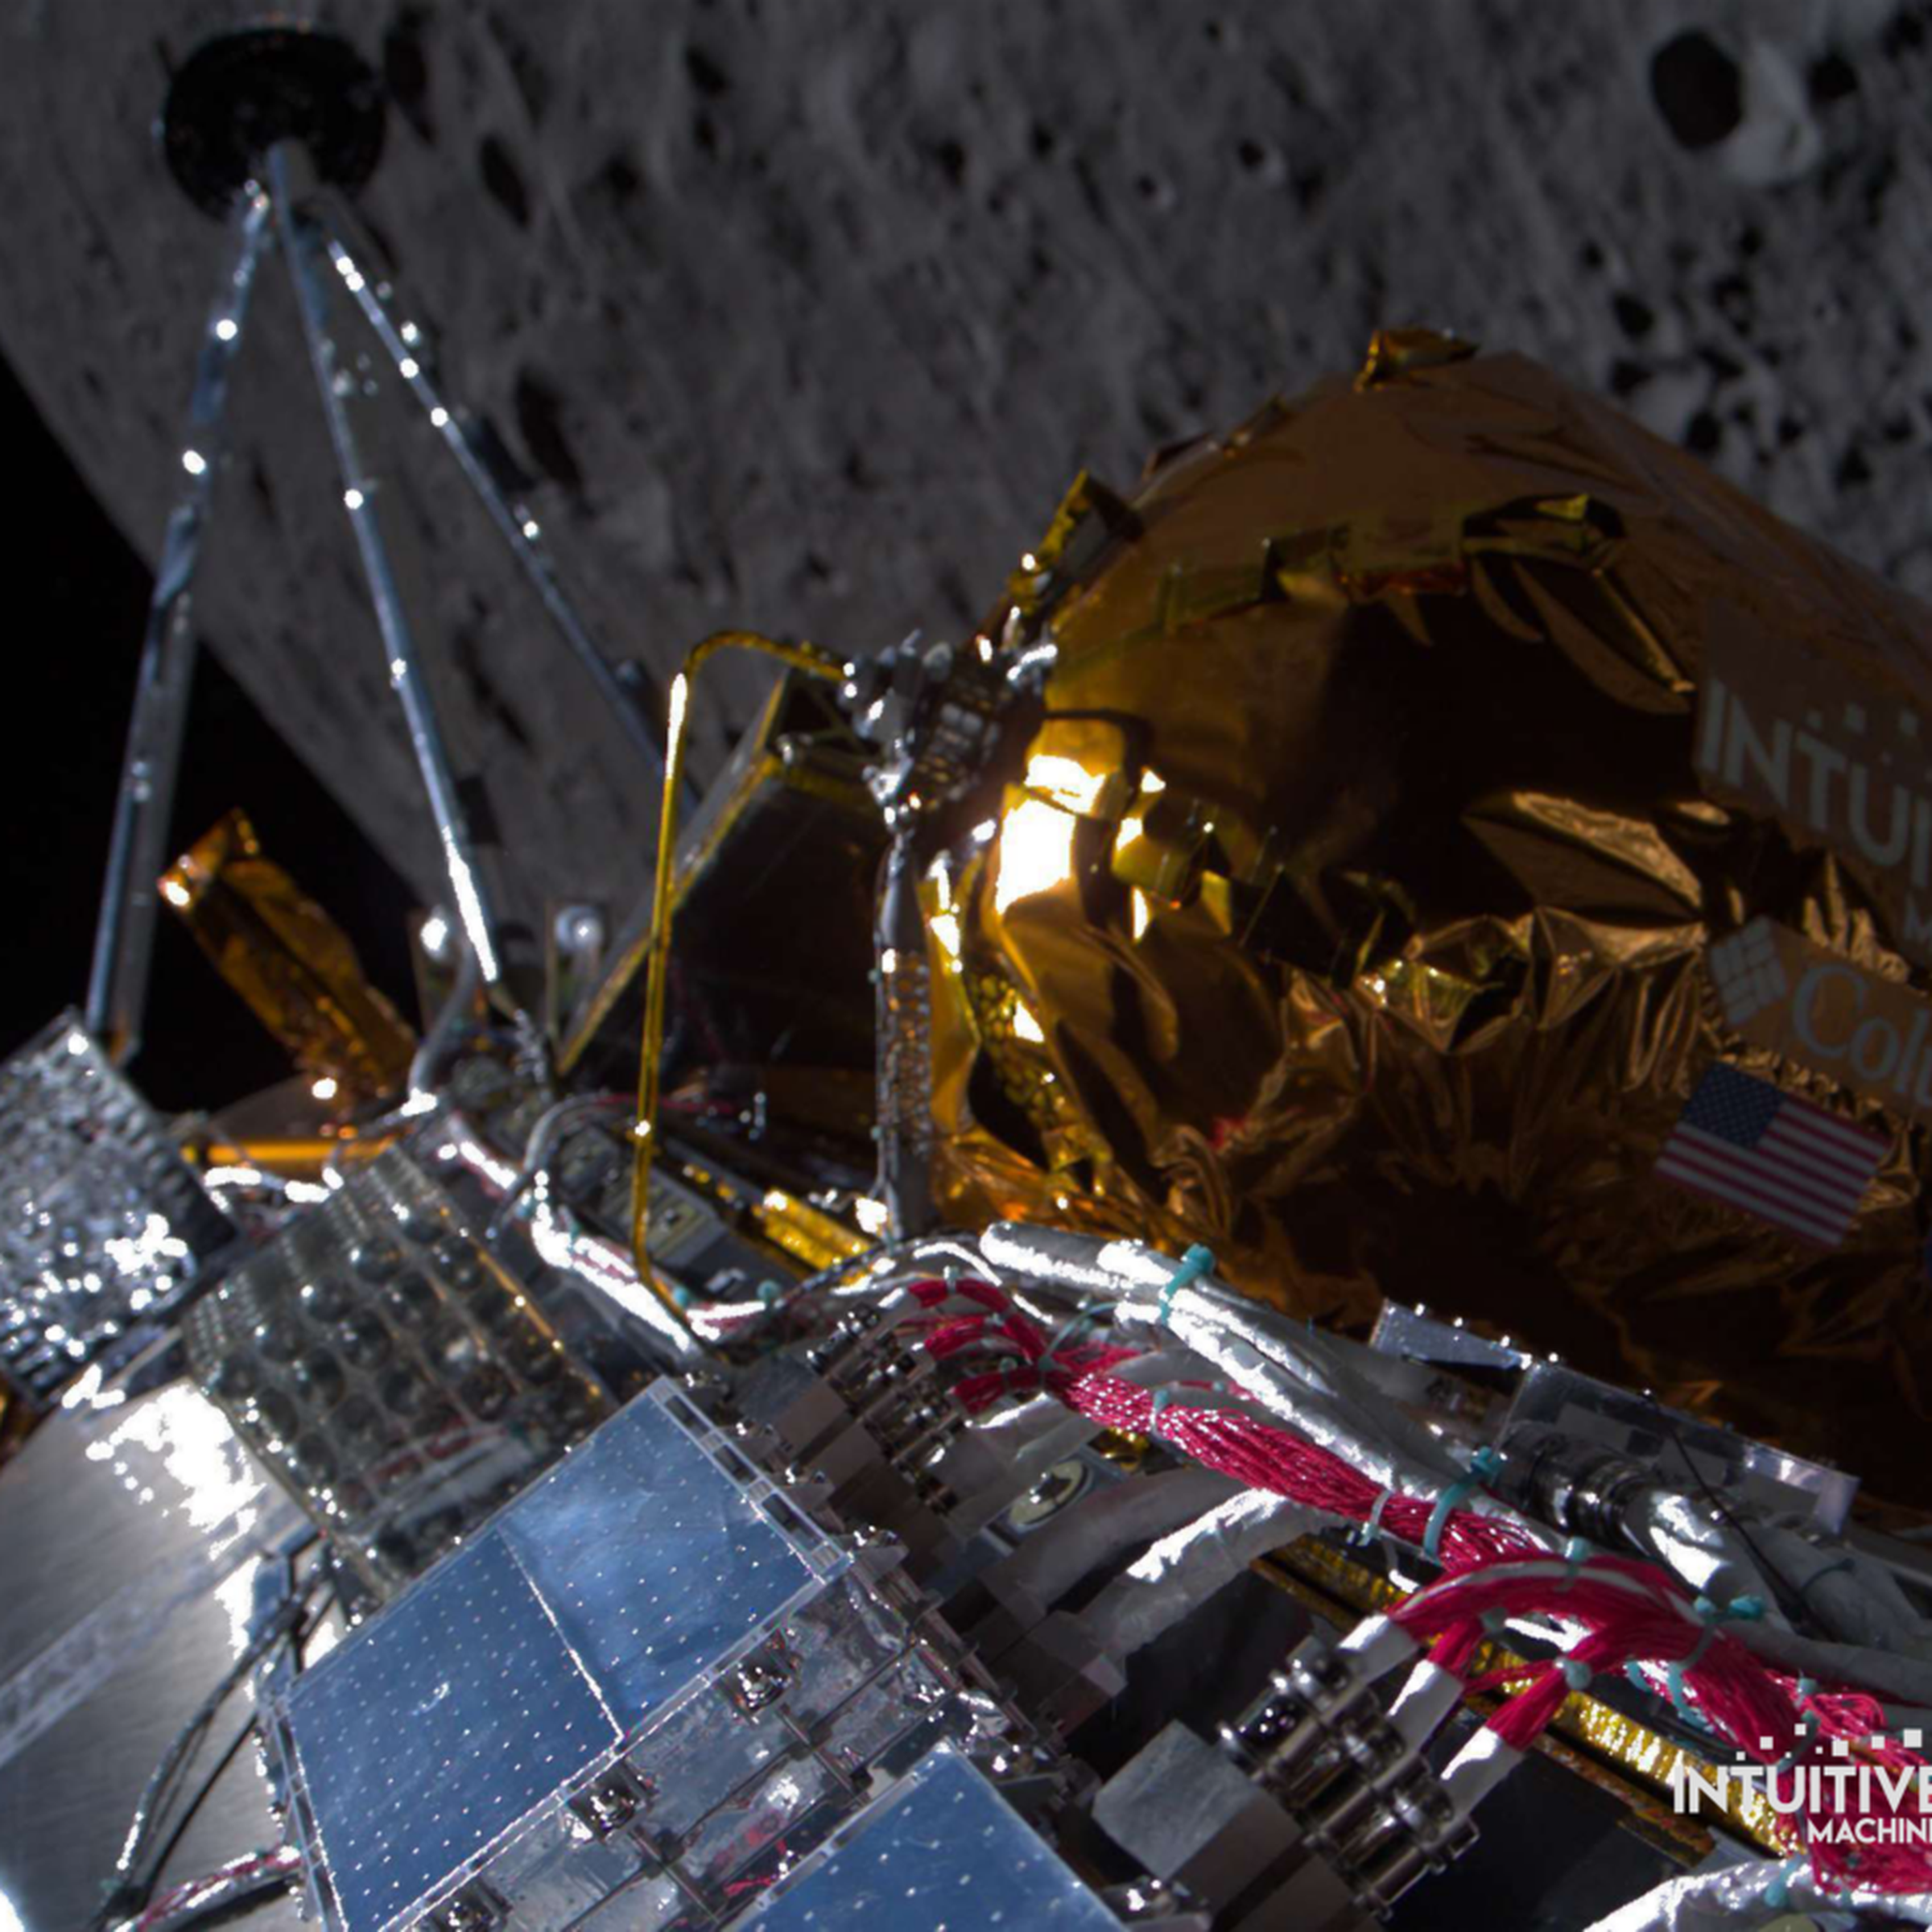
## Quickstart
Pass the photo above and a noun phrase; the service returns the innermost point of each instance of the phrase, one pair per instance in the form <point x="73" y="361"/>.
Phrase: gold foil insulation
<point x="289" y="960"/>
<point x="1412" y="757"/>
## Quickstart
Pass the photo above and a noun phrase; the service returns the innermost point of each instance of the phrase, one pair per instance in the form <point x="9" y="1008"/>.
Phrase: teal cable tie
<point x="1483" y="1467"/>
<point x="1777" y="1894"/>
<point x="1071" y="1331"/>
<point x="1740" y="1609"/>
<point x="1372" y="1527"/>
<point x="1195" y="1263"/>
<point x="1576" y="1553"/>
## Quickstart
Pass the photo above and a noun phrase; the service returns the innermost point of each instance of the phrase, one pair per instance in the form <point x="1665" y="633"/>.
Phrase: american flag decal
<point x="1743" y="1141"/>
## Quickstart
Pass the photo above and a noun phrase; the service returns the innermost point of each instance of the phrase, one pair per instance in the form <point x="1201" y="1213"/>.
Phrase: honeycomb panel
<point x="397" y="1379"/>
<point x="102" y="1224"/>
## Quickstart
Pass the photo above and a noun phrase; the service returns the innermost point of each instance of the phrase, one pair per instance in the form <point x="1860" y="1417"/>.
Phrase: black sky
<point x="80" y="601"/>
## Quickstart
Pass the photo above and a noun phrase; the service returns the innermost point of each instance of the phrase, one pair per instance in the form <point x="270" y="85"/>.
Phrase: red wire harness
<point x="1814" y="1743"/>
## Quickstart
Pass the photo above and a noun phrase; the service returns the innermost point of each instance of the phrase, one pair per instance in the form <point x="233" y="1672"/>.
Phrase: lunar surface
<point x="801" y="316"/>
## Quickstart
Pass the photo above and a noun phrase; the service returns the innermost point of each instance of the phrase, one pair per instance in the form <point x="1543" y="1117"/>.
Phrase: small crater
<point x="1904" y="33"/>
<point x="532" y="79"/>
<point x="1633" y="317"/>
<point x="540" y="413"/>
<point x="1830" y="78"/>
<point x="262" y="489"/>
<point x="1698" y="90"/>
<point x="1090" y="191"/>
<point x="1877" y="183"/>
<point x="483" y="691"/>
<point x="619" y="180"/>
<point x="705" y="74"/>
<point x="503" y="180"/>
<point x="1703" y="433"/>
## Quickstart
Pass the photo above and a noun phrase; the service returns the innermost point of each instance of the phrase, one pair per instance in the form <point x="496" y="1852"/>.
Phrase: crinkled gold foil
<point x="1359" y="883"/>
<point x="289" y="960"/>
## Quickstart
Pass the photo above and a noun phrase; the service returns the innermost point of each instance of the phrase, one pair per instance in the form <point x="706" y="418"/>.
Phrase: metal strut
<point x="124" y="935"/>
<point x="270" y="127"/>
<point x="304" y="248"/>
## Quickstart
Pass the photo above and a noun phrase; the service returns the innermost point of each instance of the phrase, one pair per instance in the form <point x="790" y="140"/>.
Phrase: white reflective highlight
<point x="1036" y="852"/>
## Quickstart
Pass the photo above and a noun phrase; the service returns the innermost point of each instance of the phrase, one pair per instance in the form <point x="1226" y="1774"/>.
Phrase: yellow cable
<point x="816" y="662"/>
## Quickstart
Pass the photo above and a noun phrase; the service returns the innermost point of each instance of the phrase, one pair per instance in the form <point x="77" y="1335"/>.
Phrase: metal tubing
<point x="816" y="662"/>
<point x="903" y="1007"/>
<point x="116" y="989"/>
<point x="302" y="246"/>
<point x="518" y="529"/>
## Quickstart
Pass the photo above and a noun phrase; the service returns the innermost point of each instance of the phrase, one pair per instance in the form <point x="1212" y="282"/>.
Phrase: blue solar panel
<point x="632" y="1569"/>
<point x="941" y="1851"/>
<point x="422" y="1742"/>
<point x="650" y="1559"/>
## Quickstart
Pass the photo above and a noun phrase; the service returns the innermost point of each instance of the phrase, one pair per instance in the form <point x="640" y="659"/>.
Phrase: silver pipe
<point x="280" y="1624"/>
<point x="437" y="1047"/>
<point x="433" y="1054"/>
<point x="302" y="246"/>
<point x="515" y="524"/>
<point x="1303" y="1383"/>
<point x="1179" y="1573"/>
<point x="903" y="1010"/>
<point x="202" y="1901"/>
<point x="540" y="1148"/>
<point x="1732" y="1899"/>
<point x="124" y="937"/>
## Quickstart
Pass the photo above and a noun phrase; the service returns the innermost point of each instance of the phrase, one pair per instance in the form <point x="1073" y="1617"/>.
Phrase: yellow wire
<point x="816" y="662"/>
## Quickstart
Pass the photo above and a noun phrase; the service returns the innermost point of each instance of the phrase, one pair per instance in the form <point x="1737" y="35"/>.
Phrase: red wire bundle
<point x="1260" y="1455"/>
<point x="1759" y="1712"/>
<point x="1631" y="1612"/>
